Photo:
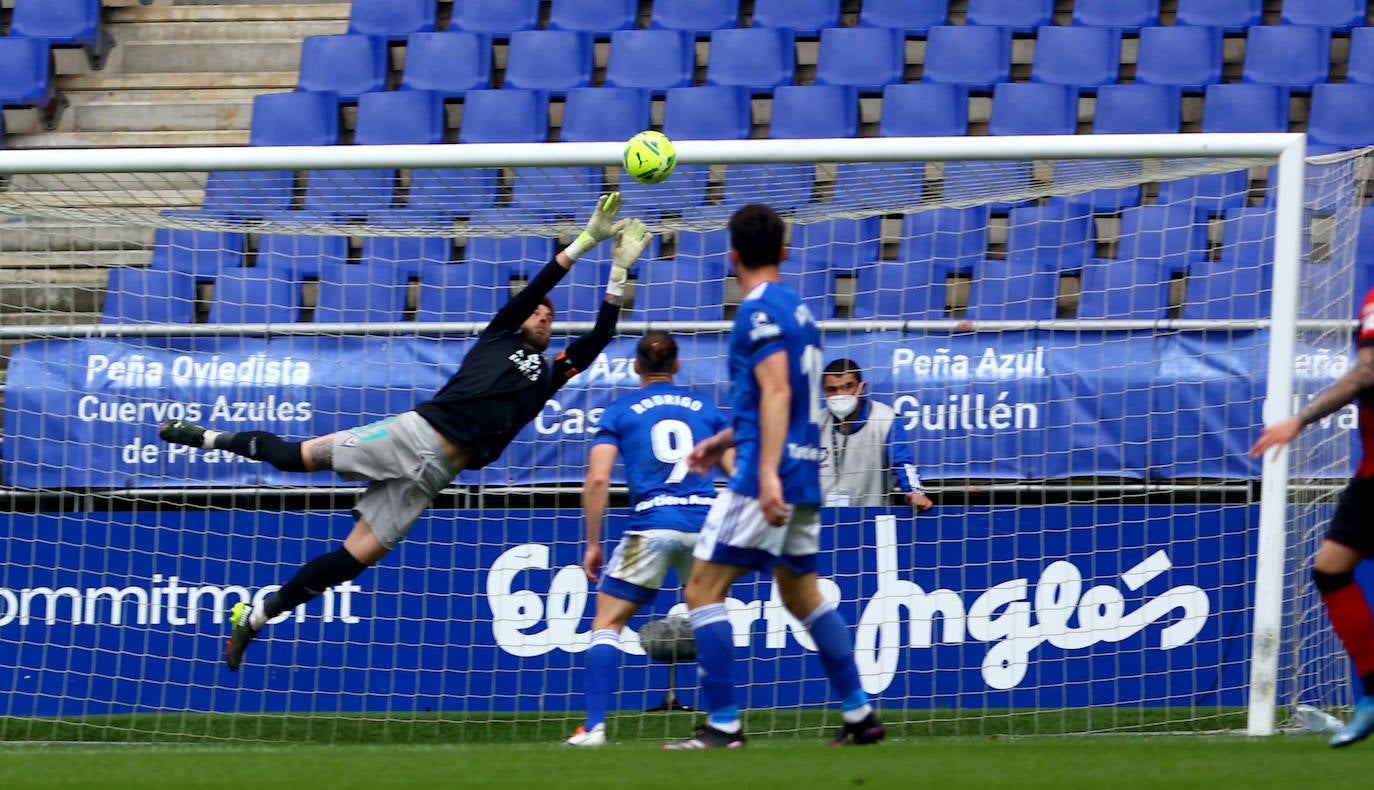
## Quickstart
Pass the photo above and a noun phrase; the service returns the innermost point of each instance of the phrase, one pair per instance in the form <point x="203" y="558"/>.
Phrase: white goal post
<point x="1070" y="487"/>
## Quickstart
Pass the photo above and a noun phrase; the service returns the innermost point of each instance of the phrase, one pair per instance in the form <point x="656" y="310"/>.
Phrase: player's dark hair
<point x="756" y="233"/>
<point x="656" y="353"/>
<point x="547" y="302"/>
<point x="841" y="367"/>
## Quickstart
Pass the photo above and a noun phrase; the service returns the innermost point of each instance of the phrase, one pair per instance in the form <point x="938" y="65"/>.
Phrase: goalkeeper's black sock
<point x="262" y="446"/>
<point x="311" y="581"/>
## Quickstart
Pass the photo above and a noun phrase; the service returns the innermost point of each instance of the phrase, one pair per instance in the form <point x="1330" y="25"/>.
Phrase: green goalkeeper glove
<point x="631" y="239"/>
<point x="600" y="227"/>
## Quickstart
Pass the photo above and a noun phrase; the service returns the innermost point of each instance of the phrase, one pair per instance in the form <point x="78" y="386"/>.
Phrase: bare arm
<point x="595" y="495"/>
<point x="1342" y="391"/>
<point x="775" y="406"/>
<point x="711" y="451"/>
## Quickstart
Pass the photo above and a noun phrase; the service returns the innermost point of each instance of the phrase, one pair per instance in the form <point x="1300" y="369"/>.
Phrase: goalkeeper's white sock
<point x="257" y="618"/>
<point x="207" y="441"/>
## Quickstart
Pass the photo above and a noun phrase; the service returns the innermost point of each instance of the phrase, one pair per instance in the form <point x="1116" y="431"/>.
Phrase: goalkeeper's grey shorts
<point x="407" y="468"/>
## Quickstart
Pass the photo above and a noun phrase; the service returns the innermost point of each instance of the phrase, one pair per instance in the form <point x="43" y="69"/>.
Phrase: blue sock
<point x="836" y="649"/>
<point x="715" y="641"/>
<point x="603" y="662"/>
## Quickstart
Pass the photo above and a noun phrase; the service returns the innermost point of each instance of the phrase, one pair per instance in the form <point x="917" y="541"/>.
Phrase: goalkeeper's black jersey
<point x="501" y="384"/>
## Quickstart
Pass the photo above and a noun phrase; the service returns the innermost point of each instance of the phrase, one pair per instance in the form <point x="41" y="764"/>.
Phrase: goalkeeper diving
<point x="501" y="385"/>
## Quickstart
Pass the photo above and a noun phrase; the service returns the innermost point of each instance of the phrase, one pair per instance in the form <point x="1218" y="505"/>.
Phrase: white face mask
<point x="842" y="405"/>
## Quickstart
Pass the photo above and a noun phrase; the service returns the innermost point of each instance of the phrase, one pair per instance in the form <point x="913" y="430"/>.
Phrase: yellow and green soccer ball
<point x="649" y="157"/>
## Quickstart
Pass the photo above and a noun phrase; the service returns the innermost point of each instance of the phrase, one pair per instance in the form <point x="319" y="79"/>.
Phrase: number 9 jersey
<point x="772" y="318"/>
<point x="654" y="429"/>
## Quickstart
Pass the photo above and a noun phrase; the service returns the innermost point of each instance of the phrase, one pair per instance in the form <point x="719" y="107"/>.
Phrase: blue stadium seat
<point x="580" y="294"/>
<point x="782" y="186"/>
<point x="924" y="109"/>
<point x="956" y="238"/>
<point x="1012" y="291"/>
<point x="248" y="297"/>
<point x="348" y="65"/>
<point x="835" y="244"/>
<point x="874" y="184"/>
<point x="527" y="253"/>
<point x="698" y="17"/>
<point x="26" y="78"/>
<point x="451" y="63"/>
<point x="1188" y="57"/>
<point x="1247" y="236"/>
<point x="706" y="112"/>
<point x="801" y="111"/>
<point x="149" y="296"/>
<point x="604" y="114"/>
<point x="1231" y="16"/>
<point x="1218" y="291"/>
<point x="867" y="58"/>
<point x="1335" y="14"/>
<point x="453" y="192"/>
<point x="358" y="293"/>
<point x="803" y="17"/>
<point x="1360" y="66"/>
<point x="459" y="292"/>
<point x="1084" y="57"/>
<point x="197" y="252"/>
<point x="1133" y="290"/>
<point x="1207" y="195"/>
<point x="1169" y="235"/>
<point x="1245" y="108"/>
<point x="757" y="58"/>
<point x="896" y="291"/>
<point x="393" y="20"/>
<point x="300" y="118"/>
<point x="505" y="115"/>
<point x="1017" y="109"/>
<point x="1364" y="247"/>
<point x="1121" y="109"/>
<point x="1138" y="109"/>
<point x="499" y="19"/>
<point x="969" y="55"/>
<point x="653" y="59"/>
<point x="1128" y="14"/>
<point x="912" y="17"/>
<point x="690" y="287"/>
<point x="1341" y="117"/>
<point x="74" y="23"/>
<point x="1055" y="237"/>
<point x="384" y="118"/>
<point x="816" y="288"/>
<point x="593" y="16"/>
<point x="294" y="257"/>
<point x="1294" y="56"/>
<point x="405" y="255"/>
<point x="1029" y="108"/>
<point x="1022" y="16"/>
<point x="549" y="60"/>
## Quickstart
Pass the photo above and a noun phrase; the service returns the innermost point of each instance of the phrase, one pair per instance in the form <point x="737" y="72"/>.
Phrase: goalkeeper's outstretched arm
<point x="631" y="239"/>
<point x="600" y="227"/>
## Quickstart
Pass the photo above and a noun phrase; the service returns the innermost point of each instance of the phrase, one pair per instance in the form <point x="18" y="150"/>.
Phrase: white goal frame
<point x="1287" y="151"/>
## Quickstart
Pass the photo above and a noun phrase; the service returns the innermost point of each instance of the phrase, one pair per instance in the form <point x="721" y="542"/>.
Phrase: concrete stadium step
<point x="78" y="139"/>
<point x="210" y="55"/>
<point x="22" y="236"/>
<point x="161" y="110"/>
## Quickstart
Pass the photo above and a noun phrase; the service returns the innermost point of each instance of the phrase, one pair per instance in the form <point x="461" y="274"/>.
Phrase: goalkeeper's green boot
<point x="241" y="634"/>
<point x="181" y="432"/>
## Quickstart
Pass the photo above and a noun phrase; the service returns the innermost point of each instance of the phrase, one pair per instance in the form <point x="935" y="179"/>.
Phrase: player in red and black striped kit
<point x="1350" y="536"/>
<point x="502" y="384"/>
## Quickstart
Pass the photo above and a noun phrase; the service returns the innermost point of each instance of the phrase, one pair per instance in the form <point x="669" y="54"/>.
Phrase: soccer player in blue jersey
<point x="768" y="515"/>
<point x="653" y="430"/>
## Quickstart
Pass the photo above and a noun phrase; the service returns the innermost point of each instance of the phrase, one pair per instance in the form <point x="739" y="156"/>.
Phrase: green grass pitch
<point x="928" y="749"/>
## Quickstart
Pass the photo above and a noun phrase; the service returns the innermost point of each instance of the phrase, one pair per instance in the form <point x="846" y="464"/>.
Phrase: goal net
<point x="1077" y="352"/>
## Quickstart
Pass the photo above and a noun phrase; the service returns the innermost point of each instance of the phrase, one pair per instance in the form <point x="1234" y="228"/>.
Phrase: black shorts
<point x="1353" y="522"/>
